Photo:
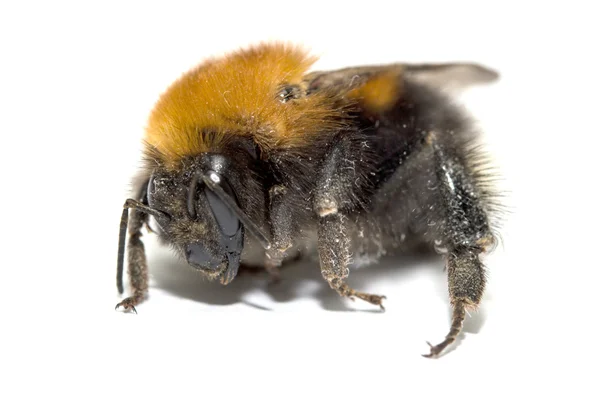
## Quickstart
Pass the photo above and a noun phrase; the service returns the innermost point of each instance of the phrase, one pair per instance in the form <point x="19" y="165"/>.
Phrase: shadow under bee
<point x="300" y="279"/>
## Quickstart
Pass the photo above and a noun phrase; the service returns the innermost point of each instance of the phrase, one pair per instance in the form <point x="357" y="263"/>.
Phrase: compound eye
<point x="226" y="218"/>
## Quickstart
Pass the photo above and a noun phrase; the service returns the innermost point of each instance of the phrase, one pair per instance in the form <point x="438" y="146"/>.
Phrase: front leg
<point x="333" y="196"/>
<point x="137" y="266"/>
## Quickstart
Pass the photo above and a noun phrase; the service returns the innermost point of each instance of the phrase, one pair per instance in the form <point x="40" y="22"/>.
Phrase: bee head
<point x="198" y="211"/>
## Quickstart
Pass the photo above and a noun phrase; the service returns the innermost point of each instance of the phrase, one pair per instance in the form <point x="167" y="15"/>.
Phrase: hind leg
<point x="464" y="233"/>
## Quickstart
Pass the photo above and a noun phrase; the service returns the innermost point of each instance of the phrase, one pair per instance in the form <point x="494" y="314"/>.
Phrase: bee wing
<point x="345" y="80"/>
<point x="445" y="76"/>
<point x="451" y="76"/>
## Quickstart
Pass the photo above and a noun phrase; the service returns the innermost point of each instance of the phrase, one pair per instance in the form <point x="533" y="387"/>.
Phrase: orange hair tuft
<point x="238" y="95"/>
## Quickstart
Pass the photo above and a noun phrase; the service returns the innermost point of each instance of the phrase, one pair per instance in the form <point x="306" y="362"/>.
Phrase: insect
<point x="250" y="157"/>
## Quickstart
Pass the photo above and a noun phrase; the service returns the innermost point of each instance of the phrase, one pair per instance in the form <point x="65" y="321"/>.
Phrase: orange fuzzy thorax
<point x="238" y="95"/>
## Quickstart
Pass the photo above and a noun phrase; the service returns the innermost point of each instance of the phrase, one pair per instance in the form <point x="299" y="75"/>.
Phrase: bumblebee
<point x="251" y="157"/>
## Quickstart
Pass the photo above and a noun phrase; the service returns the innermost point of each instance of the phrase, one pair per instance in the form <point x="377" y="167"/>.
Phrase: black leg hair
<point x="465" y="234"/>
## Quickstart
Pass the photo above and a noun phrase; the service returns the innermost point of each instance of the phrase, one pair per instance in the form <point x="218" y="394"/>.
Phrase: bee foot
<point x="344" y="290"/>
<point x="128" y="304"/>
<point x="373" y="299"/>
<point x="435" y="351"/>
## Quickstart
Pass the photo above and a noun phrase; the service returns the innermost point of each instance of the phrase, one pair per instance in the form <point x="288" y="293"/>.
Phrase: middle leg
<point x="334" y="196"/>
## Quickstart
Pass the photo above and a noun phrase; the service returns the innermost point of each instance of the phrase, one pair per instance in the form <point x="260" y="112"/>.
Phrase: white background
<point x="76" y="85"/>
